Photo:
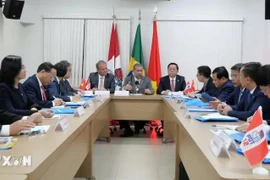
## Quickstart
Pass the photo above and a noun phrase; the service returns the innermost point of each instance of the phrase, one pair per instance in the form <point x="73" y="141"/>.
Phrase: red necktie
<point x="43" y="94"/>
<point x="172" y="85"/>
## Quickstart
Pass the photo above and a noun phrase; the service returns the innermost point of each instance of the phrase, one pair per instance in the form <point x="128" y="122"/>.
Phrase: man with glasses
<point x="35" y="87"/>
<point x="255" y="97"/>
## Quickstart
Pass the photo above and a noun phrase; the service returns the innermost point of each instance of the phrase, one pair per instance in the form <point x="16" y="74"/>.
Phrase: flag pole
<point x="140" y="16"/>
<point x="155" y="11"/>
<point x="114" y="16"/>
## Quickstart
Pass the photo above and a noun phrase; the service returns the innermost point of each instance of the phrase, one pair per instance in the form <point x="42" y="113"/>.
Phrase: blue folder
<point x="87" y="98"/>
<point x="195" y="102"/>
<point x="265" y="161"/>
<point x="238" y="136"/>
<point x="90" y="96"/>
<point x="75" y="104"/>
<point x="63" y="110"/>
<point x="202" y="119"/>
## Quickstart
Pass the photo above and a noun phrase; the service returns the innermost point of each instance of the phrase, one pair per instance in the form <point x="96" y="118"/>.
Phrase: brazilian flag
<point x="137" y="53"/>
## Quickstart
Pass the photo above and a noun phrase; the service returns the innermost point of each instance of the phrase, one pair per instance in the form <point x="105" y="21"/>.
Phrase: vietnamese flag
<point x="154" y="70"/>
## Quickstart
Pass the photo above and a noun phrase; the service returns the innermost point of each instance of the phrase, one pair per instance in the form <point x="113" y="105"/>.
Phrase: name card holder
<point x="218" y="148"/>
<point x="88" y="93"/>
<point x="228" y="141"/>
<point x="176" y="93"/>
<point x="79" y="112"/>
<point x="102" y="93"/>
<point x="62" y="124"/>
<point x="88" y="103"/>
<point x="121" y="93"/>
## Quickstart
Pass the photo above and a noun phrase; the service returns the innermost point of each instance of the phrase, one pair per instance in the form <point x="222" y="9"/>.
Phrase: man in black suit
<point x="172" y="82"/>
<point x="35" y="87"/>
<point x="12" y="124"/>
<point x="65" y="87"/>
<point x="101" y="80"/>
<point x="204" y="76"/>
<point x="239" y="92"/>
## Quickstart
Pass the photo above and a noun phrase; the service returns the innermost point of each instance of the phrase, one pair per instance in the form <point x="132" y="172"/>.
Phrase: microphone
<point x="137" y="86"/>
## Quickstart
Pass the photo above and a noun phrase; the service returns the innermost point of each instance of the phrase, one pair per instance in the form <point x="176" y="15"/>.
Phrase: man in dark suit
<point x="247" y="107"/>
<point x="65" y="87"/>
<point x="54" y="87"/>
<point x="171" y="82"/>
<point x="222" y="82"/>
<point x="204" y="76"/>
<point x="101" y="80"/>
<point x="12" y="124"/>
<point x="35" y="87"/>
<point x="239" y="92"/>
<point x="263" y="80"/>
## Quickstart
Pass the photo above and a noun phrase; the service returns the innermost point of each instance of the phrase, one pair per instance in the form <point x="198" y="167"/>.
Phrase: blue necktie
<point x="240" y="96"/>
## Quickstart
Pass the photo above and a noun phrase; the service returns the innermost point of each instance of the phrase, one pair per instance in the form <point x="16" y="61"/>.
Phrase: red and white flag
<point x="114" y="62"/>
<point x="190" y="87"/>
<point x="254" y="143"/>
<point x="88" y="85"/>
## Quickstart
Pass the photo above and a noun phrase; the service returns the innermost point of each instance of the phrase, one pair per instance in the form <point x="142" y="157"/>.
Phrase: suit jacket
<point x="209" y="88"/>
<point x="32" y="88"/>
<point x="109" y="82"/>
<point x="145" y="83"/>
<point x="54" y="90"/>
<point x="233" y="98"/>
<point x="66" y="89"/>
<point x="16" y="100"/>
<point x="165" y="84"/>
<point x="223" y="92"/>
<point x="246" y="107"/>
<point x="8" y="118"/>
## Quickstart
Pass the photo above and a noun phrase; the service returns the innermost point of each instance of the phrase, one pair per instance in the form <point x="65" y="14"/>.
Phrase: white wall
<point x="27" y="40"/>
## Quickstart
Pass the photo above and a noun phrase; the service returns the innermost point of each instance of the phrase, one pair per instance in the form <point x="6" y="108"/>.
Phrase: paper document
<point x="216" y="116"/>
<point x="43" y="129"/>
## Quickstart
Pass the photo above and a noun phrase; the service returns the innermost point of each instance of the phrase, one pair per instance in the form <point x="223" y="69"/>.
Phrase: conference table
<point x="12" y="177"/>
<point x="67" y="154"/>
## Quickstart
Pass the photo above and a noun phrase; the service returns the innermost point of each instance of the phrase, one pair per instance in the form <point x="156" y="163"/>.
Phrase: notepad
<point x="80" y="103"/>
<point x="42" y="129"/>
<point x="216" y="117"/>
<point x="201" y="110"/>
<point x="266" y="159"/>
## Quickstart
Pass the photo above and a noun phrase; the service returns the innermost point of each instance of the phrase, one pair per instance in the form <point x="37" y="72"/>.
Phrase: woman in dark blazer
<point x="13" y="97"/>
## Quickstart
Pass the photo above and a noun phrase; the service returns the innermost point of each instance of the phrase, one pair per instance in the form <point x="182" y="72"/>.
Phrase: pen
<point x="218" y="126"/>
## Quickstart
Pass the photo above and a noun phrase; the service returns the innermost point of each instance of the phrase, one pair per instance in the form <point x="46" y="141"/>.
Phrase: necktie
<point x="240" y="96"/>
<point x="101" y="82"/>
<point x="172" y="85"/>
<point x="43" y="93"/>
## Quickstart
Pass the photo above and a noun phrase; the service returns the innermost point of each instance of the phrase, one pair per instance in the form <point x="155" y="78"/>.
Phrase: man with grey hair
<point x="102" y="80"/>
<point x="136" y="84"/>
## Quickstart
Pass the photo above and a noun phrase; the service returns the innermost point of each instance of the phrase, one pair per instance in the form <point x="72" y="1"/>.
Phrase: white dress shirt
<point x="174" y="82"/>
<point x="41" y="90"/>
<point x="5" y="131"/>
<point x="101" y="85"/>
